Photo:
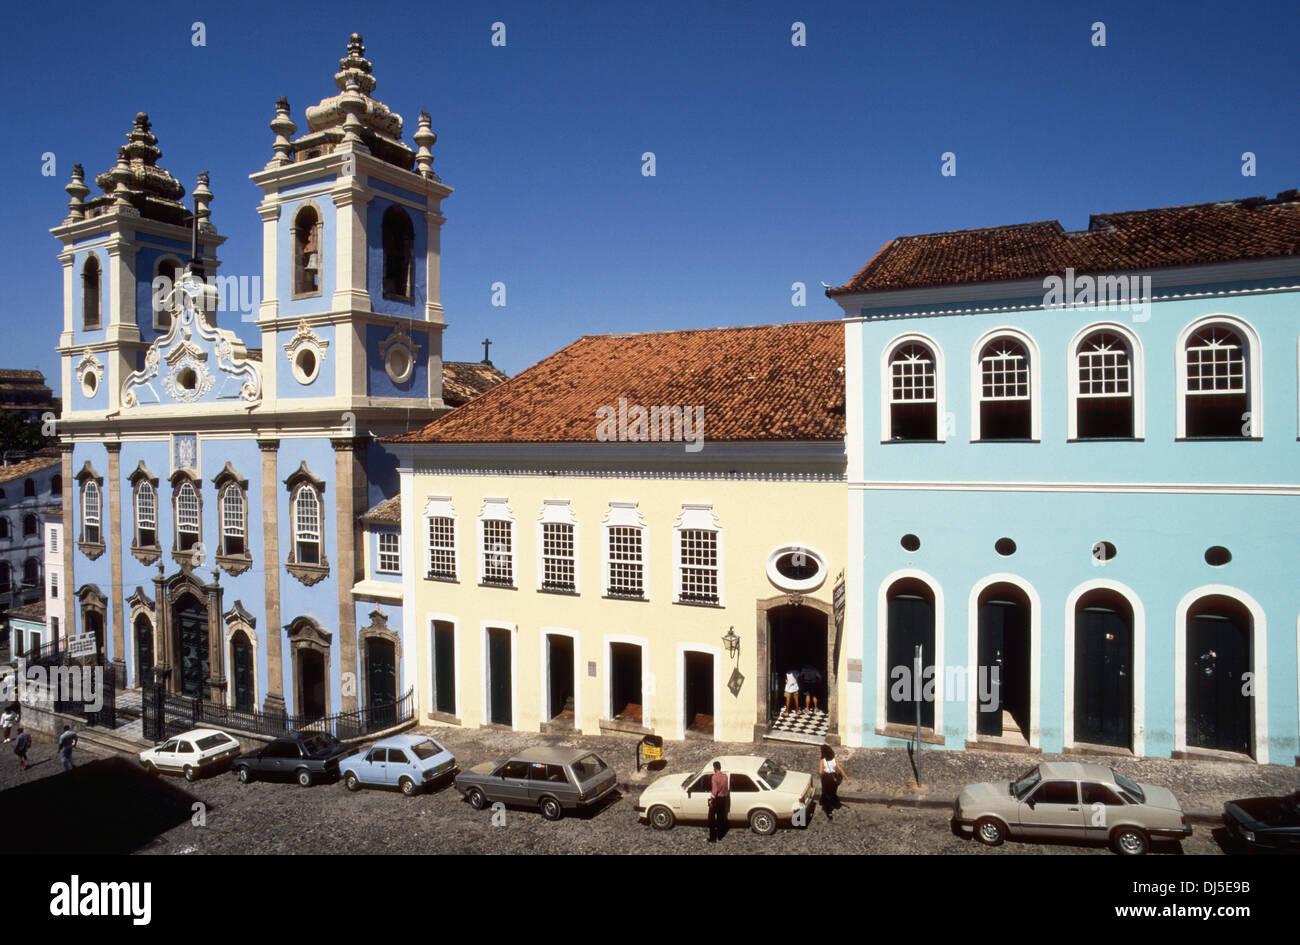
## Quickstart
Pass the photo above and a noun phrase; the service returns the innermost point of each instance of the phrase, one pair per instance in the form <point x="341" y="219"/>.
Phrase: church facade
<point x="215" y="480"/>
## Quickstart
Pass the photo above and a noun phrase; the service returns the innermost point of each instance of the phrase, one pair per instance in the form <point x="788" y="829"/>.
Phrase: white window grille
<point x="90" y="511"/>
<point x="233" y="520"/>
<point x="1105" y="367"/>
<point x="442" y="547"/>
<point x="306" y="524"/>
<point x="699" y="553"/>
<point x="559" y="567"/>
<point x="1004" y="369"/>
<point x="1216" y="362"/>
<point x="498" y="552"/>
<point x="912" y="375"/>
<point x="390" y="554"/>
<point x="187" y="517"/>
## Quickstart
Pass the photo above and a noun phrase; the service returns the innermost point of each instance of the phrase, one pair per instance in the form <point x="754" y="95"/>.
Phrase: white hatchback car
<point x="763" y="795"/>
<point x="192" y="753"/>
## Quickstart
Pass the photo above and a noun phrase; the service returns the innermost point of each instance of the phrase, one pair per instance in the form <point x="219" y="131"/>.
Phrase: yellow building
<point x="641" y="533"/>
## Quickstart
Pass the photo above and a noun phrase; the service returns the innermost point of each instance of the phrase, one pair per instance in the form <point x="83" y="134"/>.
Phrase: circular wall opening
<point x="910" y="543"/>
<point x="1217" y="556"/>
<point x="305" y="365"/>
<point x="796" y="568"/>
<point x="399" y="365"/>
<point x="1005" y="547"/>
<point x="186" y="379"/>
<point x="90" y="383"/>
<point x="1103" y="551"/>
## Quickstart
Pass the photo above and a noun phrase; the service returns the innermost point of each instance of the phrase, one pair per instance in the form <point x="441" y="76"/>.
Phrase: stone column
<point x="162" y="632"/>
<point x="350" y="480"/>
<point x="350" y="290"/>
<point x="216" y="642"/>
<point x="113" y="539"/>
<point x="273" y="703"/>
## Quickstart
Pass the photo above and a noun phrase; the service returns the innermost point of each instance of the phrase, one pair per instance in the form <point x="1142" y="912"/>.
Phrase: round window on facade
<point x="399" y="364"/>
<point x="910" y="543"/>
<point x="186" y="379"/>
<point x="306" y="365"/>
<point x="90" y="383"/>
<point x="1005" y="547"/>
<point x="1217" y="556"/>
<point x="796" y="568"/>
<point x="1103" y="551"/>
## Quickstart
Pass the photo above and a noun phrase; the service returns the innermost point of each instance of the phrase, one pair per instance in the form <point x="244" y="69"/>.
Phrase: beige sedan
<point x="763" y="795"/>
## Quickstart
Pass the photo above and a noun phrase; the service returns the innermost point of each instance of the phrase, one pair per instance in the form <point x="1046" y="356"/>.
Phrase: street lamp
<point x="731" y="642"/>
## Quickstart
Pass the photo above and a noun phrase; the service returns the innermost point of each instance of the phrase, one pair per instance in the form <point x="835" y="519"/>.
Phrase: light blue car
<point x="409" y="762"/>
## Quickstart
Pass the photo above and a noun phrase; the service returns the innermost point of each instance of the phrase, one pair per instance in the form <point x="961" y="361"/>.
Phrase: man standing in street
<point x="66" y="742"/>
<point x="719" y="802"/>
<point x="22" y="745"/>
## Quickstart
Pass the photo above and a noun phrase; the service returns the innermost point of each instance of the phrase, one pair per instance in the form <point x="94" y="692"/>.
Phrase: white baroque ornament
<point x="306" y="353"/>
<point x="89" y="367"/>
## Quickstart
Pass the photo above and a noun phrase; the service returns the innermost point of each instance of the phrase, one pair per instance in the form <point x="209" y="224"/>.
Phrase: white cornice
<point x="828" y="455"/>
<point x="1171" y="488"/>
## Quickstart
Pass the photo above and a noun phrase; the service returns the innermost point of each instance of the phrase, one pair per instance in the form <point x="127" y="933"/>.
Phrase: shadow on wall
<point x="110" y="806"/>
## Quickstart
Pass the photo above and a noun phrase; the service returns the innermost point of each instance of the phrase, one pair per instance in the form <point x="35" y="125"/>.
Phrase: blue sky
<point x="775" y="163"/>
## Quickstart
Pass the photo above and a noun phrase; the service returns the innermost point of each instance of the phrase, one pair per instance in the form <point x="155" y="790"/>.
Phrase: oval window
<point x="910" y="543"/>
<point x="1005" y="547"/>
<point x="796" y="568"/>
<point x="89" y="383"/>
<point x="1103" y="551"/>
<point x="399" y="365"/>
<point x="1217" y="556"/>
<point x="305" y="364"/>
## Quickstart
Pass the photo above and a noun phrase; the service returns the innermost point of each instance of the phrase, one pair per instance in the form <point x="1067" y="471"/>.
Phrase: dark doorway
<point x="698" y="685"/>
<point x="1103" y="673"/>
<point x="500" y="710"/>
<point x="191" y="619"/>
<point x="559" y="671"/>
<point x="143" y="649"/>
<point x="1219" y="714"/>
<point x="311" y="680"/>
<point x="1003" y="683"/>
<point x="241" y="658"/>
<point x="796" y="644"/>
<point x="381" y="679"/>
<point x="625" y="700"/>
<point x="92" y="621"/>
<point x="910" y="624"/>
<point x="444" y="667"/>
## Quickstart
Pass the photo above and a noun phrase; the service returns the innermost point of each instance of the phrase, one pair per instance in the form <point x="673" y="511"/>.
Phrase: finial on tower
<point x="284" y="127"/>
<point x="77" y="190"/>
<point x="425" y="137"/>
<point x="203" y="197"/>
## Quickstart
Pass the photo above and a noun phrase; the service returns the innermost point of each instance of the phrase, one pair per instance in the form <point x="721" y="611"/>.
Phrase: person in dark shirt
<point x="21" y="746"/>
<point x="719" y="803"/>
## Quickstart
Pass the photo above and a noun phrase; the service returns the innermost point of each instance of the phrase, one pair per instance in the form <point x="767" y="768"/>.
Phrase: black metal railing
<point x="177" y="713"/>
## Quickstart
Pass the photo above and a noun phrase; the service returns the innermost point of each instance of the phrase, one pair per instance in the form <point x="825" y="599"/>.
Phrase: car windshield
<point x="211" y="741"/>
<point x="588" y="766"/>
<point x="315" y="745"/>
<point x="1130" y="787"/>
<point x="426" y="749"/>
<point x="772" y="773"/>
<point x="1026" y="783"/>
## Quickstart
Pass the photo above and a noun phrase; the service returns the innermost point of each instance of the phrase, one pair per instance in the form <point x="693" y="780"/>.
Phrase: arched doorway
<point x="190" y="617"/>
<point x="797" y="644"/>
<point x="93" y="622"/>
<point x="311" y="683"/>
<point x="909" y="624"/>
<point x="143" y="649"/>
<point x="1220" y="713"/>
<point x="1003" y="650"/>
<point x="1103" y="670"/>
<point x="243" y="679"/>
<point x="381" y="679"/>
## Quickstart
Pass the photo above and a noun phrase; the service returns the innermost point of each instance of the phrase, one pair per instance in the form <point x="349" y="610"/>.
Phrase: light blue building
<point x="1073" y="459"/>
<point x="218" y="430"/>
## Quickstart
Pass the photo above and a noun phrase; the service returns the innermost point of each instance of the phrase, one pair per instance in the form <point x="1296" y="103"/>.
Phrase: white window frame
<point x="495" y="509"/>
<point x="440" y="506"/>
<point x="1137" y="375"/>
<point x="303" y="536"/>
<point x="92" y="497"/>
<point x="557" y="512"/>
<point x="197" y="530"/>
<point x="395" y="554"/>
<point x="887" y="385"/>
<point x="624" y="514"/>
<point x="1254" y="371"/>
<point x="698" y="516"/>
<point x="241" y="526"/>
<point x="1035" y="380"/>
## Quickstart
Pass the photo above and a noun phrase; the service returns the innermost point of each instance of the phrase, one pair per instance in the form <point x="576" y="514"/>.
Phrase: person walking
<point x="831" y="775"/>
<point x="791" y="692"/>
<point x="7" y="721"/>
<point x="719" y="803"/>
<point x="22" y="745"/>
<point x="67" y="741"/>
<point x="810" y="679"/>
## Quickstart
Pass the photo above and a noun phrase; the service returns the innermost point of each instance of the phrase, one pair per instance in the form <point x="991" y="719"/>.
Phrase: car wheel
<point x="477" y="799"/>
<point x="551" y="808"/>
<point x="407" y="786"/>
<point x="351" y="782"/>
<point x="661" y="818"/>
<point x="150" y="767"/>
<point x="191" y="773"/>
<point x="304" y="777"/>
<point x="762" y="822"/>
<point x="990" y="831"/>
<point x="1129" y="841"/>
<point x="245" y="775"/>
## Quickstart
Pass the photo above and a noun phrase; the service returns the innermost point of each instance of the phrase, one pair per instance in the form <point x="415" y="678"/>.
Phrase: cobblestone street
<point x="265" y="817"/>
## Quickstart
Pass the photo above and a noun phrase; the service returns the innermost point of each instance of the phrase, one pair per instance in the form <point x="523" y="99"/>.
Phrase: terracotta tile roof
<point x="767" y="382"/>
<point x="388" y="512"/>
<point x="26" y="467"/>
<point x="462" y="381"/>
<point x="33" y="611"/>
<point x="1252" y="228"/>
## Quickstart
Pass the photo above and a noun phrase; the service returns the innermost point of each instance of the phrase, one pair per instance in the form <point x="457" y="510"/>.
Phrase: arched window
<point x="90" y="294"/>
<point x="1217" y="371"/>
<point x="4" y="528"/>
<point x="1104" y="404"/>
<point x="90" y="513"/>
<point x="1006" y="391"/>
<point x="307" y="525"/>
<point x="399" y="254"/>
<point x="56" y="485"/>
<point x="146" y="514"/>
<point x="31" y="573"/>
<point x="306" y="252"/>
<point x="187" y="516"/>
<point x="31" y="526"/>
<point x="169" y="271"/>
<point x="234" y="524"/>
<point x="913" y="393"/>
<point x="29" y="488"/>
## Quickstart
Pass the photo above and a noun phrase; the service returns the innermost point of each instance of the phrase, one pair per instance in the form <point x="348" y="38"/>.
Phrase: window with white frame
<point x="1104" y="404"/>
<point x="698" y="555"/>
<point x="144" y="501"/>
<point x="1217" y="374"/>
<point x="307" y="561"/>
<point x="1006" y="396"/>
<point x="54" y="541"/>
<point x="54" y="583"/>
<point x="557" y="544"/>
<point x="913" y="393"/>
<point x="307" y="525"/>
<point x="496" y="544"/>
<point x="440" y="526"/>
<point x="390" y="553"/>
<point x="233" y="524"/>
<point x="90" y="533"/>
<point x="187" y="516"/>
<point x="625" y="547"/>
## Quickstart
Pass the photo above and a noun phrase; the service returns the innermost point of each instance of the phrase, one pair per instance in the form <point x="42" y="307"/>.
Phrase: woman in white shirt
<point x="831" y="775"/>
<point x="791" y="692"/>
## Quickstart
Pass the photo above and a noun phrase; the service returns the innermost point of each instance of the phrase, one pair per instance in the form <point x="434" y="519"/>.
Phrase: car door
<point x="399" y="763"/>
<point x="744" y="798"/>
<point x="1052" y="811"/>
<point x="1100" y="804"/>
<point x="185" y="754"/>
<point x="512" y="784"/>
<point x="695" y="802"/>
<point x="375" y="768"/>
<point x="165" y="757"/>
